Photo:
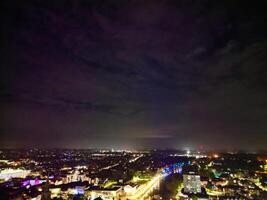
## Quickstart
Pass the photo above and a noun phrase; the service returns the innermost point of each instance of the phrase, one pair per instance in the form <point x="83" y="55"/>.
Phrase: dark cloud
<point x="134" y="74"/>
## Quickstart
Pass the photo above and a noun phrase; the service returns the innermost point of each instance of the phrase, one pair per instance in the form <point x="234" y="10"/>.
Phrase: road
<point x="108" y="167"/>
<point x="144" y="190"/>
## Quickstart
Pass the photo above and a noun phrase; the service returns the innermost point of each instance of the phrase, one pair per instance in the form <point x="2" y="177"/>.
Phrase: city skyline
<point x="133" y="74"/>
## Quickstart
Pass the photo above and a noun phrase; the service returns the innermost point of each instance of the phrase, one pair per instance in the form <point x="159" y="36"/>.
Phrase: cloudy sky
<point x="133" y="74"/>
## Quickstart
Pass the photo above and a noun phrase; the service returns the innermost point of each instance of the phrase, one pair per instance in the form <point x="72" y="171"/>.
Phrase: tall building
<point x="192" y="183"/>
<point x="46" y="194"/>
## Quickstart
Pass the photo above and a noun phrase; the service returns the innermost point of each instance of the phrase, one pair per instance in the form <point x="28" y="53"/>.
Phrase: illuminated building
<point x="192" y="183"/>
<point x="77" y="190"/>
<point x="130" y="189"/>
<point x="75" y="177"/>
<point x="55" y="192"/>
<point x="106" y="193"/>
<point x="7" y="174"/>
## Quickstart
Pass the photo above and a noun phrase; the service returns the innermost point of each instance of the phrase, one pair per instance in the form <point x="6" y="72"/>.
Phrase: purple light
<point x="25" y="183"/>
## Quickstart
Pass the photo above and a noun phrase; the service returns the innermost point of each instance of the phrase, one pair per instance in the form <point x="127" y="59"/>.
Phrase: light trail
<point x="108" y="167"/>
<point x="145" y="189"/>
<point x="135" y="159"/>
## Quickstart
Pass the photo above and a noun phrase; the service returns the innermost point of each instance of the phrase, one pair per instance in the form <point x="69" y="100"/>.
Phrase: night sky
<point x="133" y="74"/>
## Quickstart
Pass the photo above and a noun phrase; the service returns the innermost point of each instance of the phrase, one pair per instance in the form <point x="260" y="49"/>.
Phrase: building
<point x="192" y="184"/>
<point x="130" y="189"/>
<point x="46" y="194"/>
<point x="7" y="174"/>
<point x="106" y="193"/>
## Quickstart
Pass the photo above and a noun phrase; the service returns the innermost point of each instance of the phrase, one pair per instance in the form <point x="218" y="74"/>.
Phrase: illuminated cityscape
<point x="146" y="174"/>
<point x="133" y="100"/>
